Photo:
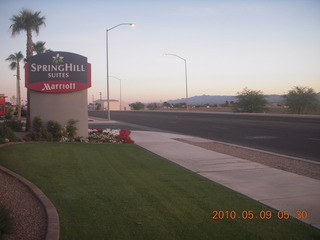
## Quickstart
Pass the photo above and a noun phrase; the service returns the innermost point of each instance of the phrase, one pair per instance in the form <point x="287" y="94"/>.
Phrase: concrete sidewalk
<point x="278" y="189"/>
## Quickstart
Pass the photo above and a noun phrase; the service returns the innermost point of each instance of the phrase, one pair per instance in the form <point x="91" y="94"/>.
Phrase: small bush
<point x="43" y="135"/>
<point x="37" y="124"/>
<point x="14" y="125"/>
<point x="7" y="135"/>
<point x="54" y="128"/>
<point x="5" y="222"/>
<point x="71" y="129"/>
<point x="8" y="115"/>
<point x="46" y="135"/>
<point x="35" y="136"/>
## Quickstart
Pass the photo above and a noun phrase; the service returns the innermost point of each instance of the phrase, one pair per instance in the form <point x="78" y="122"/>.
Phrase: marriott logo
<point x="58" y="86"/>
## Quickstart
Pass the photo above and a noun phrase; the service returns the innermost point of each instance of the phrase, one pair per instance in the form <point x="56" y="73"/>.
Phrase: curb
<point x="53" y="223"/>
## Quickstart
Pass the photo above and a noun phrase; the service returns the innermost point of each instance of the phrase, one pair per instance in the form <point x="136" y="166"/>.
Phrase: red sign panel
<point x="58" y="72"/>
<point x="2" y="105"/>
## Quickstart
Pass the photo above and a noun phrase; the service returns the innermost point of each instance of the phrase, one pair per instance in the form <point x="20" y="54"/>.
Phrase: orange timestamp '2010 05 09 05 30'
<point x="250" y="214"/>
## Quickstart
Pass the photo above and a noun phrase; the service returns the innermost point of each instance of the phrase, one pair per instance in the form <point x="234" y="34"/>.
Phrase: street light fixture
<point x="107" y="61"/>
<point x="120" y="91"/>
<point x="185" y="70"/>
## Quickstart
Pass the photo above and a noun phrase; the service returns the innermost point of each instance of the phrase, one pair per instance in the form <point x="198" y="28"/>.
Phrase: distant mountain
<point x="205" y="99"/>
<point x="218" y="99"/>
<point x="274" y="98"/>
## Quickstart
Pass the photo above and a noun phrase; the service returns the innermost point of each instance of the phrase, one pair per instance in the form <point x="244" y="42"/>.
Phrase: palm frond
<point x="27" y="20"/>
<point x="13" y="65"/>
<point x="14" y="59"/>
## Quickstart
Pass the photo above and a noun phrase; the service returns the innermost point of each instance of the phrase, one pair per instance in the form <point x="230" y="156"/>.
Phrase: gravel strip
<point x="27" y="213"/>
<point x="284" y="163"/>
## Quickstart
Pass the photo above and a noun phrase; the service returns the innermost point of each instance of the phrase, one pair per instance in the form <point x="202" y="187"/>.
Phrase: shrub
<point x="35" y="136"/>
<point x="6" y="134"/>
<point x="8" y="115"/>
<point x="54" y="128"/>
<point x="46" y="135"/>
<point x="14" y="125"/>
<point x="5" y="222"/>
<point x="39" y="133"/>
<point x="43" y="135"/>
<point x="71" y="129"/>
<point x="137" y="106"/>
<point x="37" y="124"/>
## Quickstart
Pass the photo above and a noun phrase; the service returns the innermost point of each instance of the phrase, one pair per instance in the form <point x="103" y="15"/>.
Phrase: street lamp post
<point x="185" y="70"/>
<point x="107" y="62"/>
<point x="120" y="91"/>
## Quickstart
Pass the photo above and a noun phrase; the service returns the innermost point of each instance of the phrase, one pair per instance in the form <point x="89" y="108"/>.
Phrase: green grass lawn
<point x="104" y="191"/>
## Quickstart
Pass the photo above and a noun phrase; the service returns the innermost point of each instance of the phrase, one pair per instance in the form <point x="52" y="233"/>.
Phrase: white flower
<point x="64" y="139"/>
<point x="115" y="132"/>
<point x="57" y="58"/>
<point x="106" y="131"/>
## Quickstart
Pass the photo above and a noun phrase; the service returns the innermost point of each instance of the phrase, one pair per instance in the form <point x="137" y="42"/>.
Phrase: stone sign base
<point x="61" y="107"/>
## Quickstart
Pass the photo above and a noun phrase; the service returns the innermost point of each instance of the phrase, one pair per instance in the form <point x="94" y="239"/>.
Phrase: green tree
<point x="27" y="21"/>
<point x="180" y="105"/>
<point x="250" y="101"/>
<point x="97" y="106"/>
<point x="15" y="65"/>
<point x="167" y="105"/>
<point x="301" y="100"/>
<point x="30" y="22"/>
<point x="137" y="106"/>
<point x="152" y="106"/>
<point x="39" y="47"/>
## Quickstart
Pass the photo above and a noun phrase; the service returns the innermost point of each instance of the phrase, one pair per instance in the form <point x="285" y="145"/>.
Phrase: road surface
<point x="297" y="136"/>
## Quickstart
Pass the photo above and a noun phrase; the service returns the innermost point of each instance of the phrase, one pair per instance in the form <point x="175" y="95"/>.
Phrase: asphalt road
<point x="297" y="136"/>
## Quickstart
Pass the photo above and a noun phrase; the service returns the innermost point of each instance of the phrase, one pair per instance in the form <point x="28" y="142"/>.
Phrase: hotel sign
<point x="58" y="72"/>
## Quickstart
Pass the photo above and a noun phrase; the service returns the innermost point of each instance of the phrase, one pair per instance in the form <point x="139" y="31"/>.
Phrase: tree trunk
<point x="18" y="91"/>
<point x="29" y="54"/>
<point x="29" y="44"/>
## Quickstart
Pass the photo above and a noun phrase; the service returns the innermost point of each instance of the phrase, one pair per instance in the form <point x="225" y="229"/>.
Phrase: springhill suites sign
<point x="58" y="72"/>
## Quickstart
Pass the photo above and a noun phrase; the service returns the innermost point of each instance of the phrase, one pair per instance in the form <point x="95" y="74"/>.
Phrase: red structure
<point x="2" y="104"/>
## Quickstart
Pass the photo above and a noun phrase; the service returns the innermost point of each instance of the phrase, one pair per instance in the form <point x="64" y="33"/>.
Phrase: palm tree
<point x="39" y="47"/>
<point x="27" y="21"/>
<point x="30" y="22"/>
<point x="15" y="65"/>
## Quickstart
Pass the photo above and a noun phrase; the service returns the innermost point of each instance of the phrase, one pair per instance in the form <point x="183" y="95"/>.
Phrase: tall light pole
<point x="185" y="70"/>
<point x="120" y="91"/>
<point x="107" y="61"/>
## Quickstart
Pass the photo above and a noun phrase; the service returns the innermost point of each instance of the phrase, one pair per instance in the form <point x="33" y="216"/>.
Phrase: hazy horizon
<point x="270" y="46"/>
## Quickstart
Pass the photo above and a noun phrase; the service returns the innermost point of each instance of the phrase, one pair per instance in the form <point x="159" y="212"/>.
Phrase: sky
<point x="266" y="45"/>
